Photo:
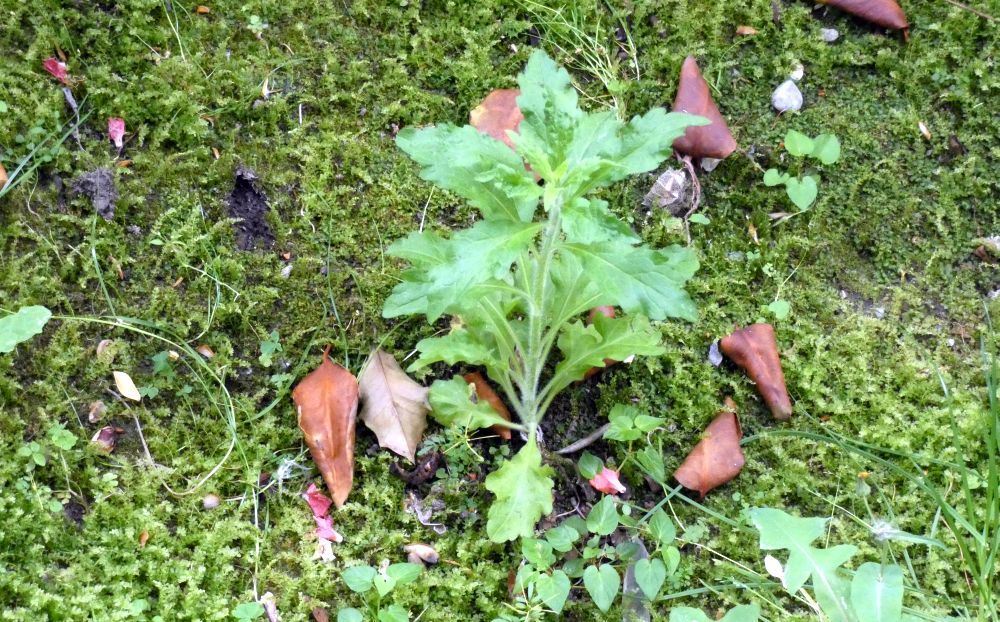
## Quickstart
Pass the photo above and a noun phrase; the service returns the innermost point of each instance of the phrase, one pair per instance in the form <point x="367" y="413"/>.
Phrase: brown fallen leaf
<point x="143" y="538"/>
<point x="485" y="392"/>
<point x="320" y="615"/>
<point x="3" y="176"/>
<point x="205" y="351"/>
<point x="746" y="31"/>
<point x="718" y="457"/>
<point x="608" y="312"/>
<point x="327" y="401"/>
<point x="498" y="113"/>
<point x="705" y="141"/>
<point x="755" y="349"/>
<point x="395" y="407"/>
<point x="885" y="13"/>
<point x="202" y="10"/>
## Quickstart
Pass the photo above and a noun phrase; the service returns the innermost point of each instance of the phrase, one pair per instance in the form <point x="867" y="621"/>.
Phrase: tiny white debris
<point x="324" y="550"/>
<point x="797" y="72"/>
<point x="173" y="355"/>
<point x="287" y="270"/>
<point x="210" y="502"/>
<point x="880" y="312"/>
<point x="774" y="568"/>
<point x="714" y="355"/>
<point x="829" y="34"/>
<point x="787" y="97"/>
<point x="951" y="343"/>
<point x="126" y="387"/>
<point x="923" y="130"/>
<point x="708" y="164"/>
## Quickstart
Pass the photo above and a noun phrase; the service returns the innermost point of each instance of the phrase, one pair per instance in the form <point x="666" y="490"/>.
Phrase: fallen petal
<point x="318" y="502"/>
<point x="713" y="140"/>
<point x="105" y="439"/>
<point x="324" y="550"/>
<point x="126" y="387"/>
<point x="57" y="68"/>
<point x="116" y="131"/>
<point x="607" y="482"/>
<point x="787" y="97"/>
<point x="270" y="604"/>
<point x="325" y="530"/>
<point x="885" y="13"/>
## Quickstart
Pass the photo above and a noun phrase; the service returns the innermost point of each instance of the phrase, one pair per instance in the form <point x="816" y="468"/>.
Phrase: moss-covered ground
<point x="886" y="292"/>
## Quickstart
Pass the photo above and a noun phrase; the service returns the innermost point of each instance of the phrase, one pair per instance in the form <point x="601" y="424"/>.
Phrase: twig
<point x="968" y="8"/>
<point x="586" y="441"/>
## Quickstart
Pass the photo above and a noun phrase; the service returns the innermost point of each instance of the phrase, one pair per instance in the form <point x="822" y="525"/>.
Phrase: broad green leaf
<point x="603" y="517"/>
<point x="574" y="568"/>
<point x="640" y="279"/>
<point x="589" y="465"/>
<point x="586" y="221"/>
<point x="523" y="492"/>
<point x="647" y="423"/>
<point x="780" y="309"/>
<point x="383" y="584"/>
<point x="537" y="552"/>
<point x="772" y="177"/>
<point x="22" y="326"/>
<point x="474" y="166"/>
<point x="602" y="583"/>
<point x="802" y="191"/>
<point x="349" y="614"/>
<point x="651" y="462"/>
<point x="548" y="102"/>
<point x="445" y="271"/>
<point x="662" y="528"/>
<point x="393" y="613"/>
<point x="647" y="140"/>
<point x="740" y="613"/>
<point x="622" y="423"/>
<point x="584" y="347"/>
<point x="359" y="578"/>
<point x="553" y="590"/>
<point x="453" y="403"/>
<point x="460" y="345"/>
<point x="877" y="593"/>
<point x="779" y="530"/>
<point x="562" y="538"/>
<point x="650" y="575"/>
<point x="404" y="572"/>
<point x="672" y="559"/>
<point x="826" y="148"/>
<point x="248" y="611"/>
<point x="798" y="144"/>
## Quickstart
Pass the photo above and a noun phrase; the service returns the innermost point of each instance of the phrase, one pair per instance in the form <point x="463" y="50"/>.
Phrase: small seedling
<point x="268" y="348"/>
<point x="375" y="584"/>
<point x="248" y="611"/>
<point x="803" y="189"/>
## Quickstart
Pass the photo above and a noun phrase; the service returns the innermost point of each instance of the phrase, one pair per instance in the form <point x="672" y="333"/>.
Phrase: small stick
<point x="971" y="10"/>
<point x="586" y="441"/>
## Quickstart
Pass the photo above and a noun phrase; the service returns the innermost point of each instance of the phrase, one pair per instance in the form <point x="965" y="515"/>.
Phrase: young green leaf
<point x="359" y="578"/>
<point x="523" y="492"/>
<point x="349" y="614"/>
<point x="877" y="593"/>
<point x="672" y="559"/>
<point x="474" y="166"/>
<point x="798" y="144"/>
<point x="772" y="177"/>
<point x="460" y="345"/>
<point x="802" y="191"/>
<point x="780" y="309"/>
<point x="586" y="221"/>
<point x="393" y="613"/>
<point x="602" y="583"/>
<point x="650" y="460"/>
<point x="248" y="611"/>
<point x="622" y="423"/>
<point x="826" y="148"/>
<point x="740" y="613"/>
<point x="383" y="584"/>
<point x="22" y="326"/>
<point x="603" y="517"/>
<point x="662" y="528"/>
<point x="586" y="346"/>
<point x="453" y="403"/>
<point x="537" y="552"/>
<point x="562" y="538"/>
<point x="268" y="348"/>
<point x="589" y="465"/>
<point x="404" y="572"/>
<point x="650" y="575"/>
<point x="553" y="590"/>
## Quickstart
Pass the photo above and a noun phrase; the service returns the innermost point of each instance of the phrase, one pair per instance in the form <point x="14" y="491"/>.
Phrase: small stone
<point x="97" y="410"/>
<point x="829" y="34"/>
<point x="210" y="502"/>
<point x="708" y="164"/>
<point x="286" y="271"/>
<point x="714" y="355"/>
<point x="879" y="312"/>
<point x="418" y="553"/>
<point x="787" y="97"/>
<point x="797" y="72"/>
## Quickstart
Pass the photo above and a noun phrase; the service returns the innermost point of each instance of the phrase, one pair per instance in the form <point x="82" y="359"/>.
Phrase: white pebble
<point x="787" y="97"/>
<point x="797" y="73"/>
<point x="829" y="34"/>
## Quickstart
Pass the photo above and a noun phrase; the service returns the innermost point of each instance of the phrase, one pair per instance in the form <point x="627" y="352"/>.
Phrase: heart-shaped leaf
<point x="603" y="517"/>
<point x="773" y="177"/>
<point x="826" y="148"/>
<point x="553" y="590"/>
<point x="798" y="144"/>
<point x="602" y="583"/>
<point x="650" y="575"/>
<point x="802" y="191"/>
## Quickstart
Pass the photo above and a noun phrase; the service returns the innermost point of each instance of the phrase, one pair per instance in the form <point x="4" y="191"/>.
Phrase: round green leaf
<point x="349" y="614"/>
<point x="359" y="578"/>
<point x="404" y="572"/>
<point x="589" y="465"/>
<point x="662" y="528"/>
<point x="393" y="613"/>
<point x="603" y="517"/>
<point x="798" y="144"/>
<point x="538" y="552"/>
<point x="774" y="178"/>
<point x="826" y="148"/>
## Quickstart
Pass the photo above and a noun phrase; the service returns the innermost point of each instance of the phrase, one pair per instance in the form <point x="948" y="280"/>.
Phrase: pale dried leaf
<point x="126" y="387"/>
<point x="395" y="407"/>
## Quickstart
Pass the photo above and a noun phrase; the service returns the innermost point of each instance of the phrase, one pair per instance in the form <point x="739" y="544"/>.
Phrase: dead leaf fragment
<point x="704" y="141"/>
<point x="327" y="402"/>
<point x="746" y="31"/>
<point x="418" y="553"/>
<point x="105" y="439"/>
<point x="755" y="349"/>
<point x="3" y="176"/>
<point x="126" y="387"/>
<point x="718" y="457"/>
<point x="498" y="113"/>
<point x="143" y="538"/>
<point x="320" y="615"/>
<point x="205" y="351"/>
<point x="96" y="411"/>
<point x="485" y="392"/>
<point x="395" y="407"/>
<point x="885" y="13"/>
<point x="202" y="10"/>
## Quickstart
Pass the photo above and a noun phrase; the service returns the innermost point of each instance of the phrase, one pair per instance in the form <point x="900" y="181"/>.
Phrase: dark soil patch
<point x="99" y="186"/>
<point x="248" y="204"/>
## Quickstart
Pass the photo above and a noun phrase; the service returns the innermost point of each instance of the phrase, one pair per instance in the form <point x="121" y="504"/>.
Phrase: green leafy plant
<point x="248" y="611"/>
<point x="740" y="613"/>
<point x="22" y="326"/>
<point x="803" y="188"/>
<point x="375" y="584"/>
<point x="517" y="287"/>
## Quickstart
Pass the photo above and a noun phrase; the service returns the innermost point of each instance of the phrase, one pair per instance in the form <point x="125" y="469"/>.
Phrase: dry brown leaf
<point x="704" y="141"/>
<point x="320" y="615"/>
<point x="885" y="13"/>
<point x="3" y="176"/>
<point x="755" y="349"/>
<point x="202" y="10"/>
<point x="126" y="387"/>
<point x="718" y="457"/>
<point x="485" y="392"/>
<point x="498" y="113"/>
<point x="327" y="401"/>
<point x="395" y="407"/>
<point x="205" y="351"/>
<point x="746" y="31"/>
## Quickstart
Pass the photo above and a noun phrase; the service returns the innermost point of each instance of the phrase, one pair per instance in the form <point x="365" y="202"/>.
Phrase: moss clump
<point x="883" y="286"/>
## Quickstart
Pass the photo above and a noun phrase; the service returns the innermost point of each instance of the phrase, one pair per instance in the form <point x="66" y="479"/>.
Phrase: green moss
<point x="893" y="229"/>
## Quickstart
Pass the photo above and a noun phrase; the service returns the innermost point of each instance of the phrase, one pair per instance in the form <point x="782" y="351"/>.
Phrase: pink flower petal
<point x="324" y="529"/>
<point x="116" y="131"/>
<point x="607" y="482"/>
<point x="57" y="69"/>
<point x="319" y="502"/>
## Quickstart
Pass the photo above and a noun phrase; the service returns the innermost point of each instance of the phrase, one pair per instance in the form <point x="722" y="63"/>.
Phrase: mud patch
<point x="248" y="204"/>
<point x="99" y="186"/>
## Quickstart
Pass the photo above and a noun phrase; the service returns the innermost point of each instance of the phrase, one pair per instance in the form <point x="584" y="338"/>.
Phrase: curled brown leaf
<point x="718" y="457"/>
<point x="485" y="392"/>
<point x="755" y="349"/>
<point x="704" y="141"/>
<point x="327" y="401"/>
<point x="885" y="13"/>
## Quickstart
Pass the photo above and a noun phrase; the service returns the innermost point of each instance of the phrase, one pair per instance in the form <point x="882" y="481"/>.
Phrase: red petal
<point x="607" y="482"/>
<point x="318" y="502"/>
<point x="324" y="529"/>
<point x="57" y="69"/>
<point x="116" y="130"/>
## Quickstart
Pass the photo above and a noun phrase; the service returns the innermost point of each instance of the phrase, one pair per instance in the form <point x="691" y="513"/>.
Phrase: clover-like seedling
<point x="803" y="189"/>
